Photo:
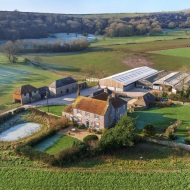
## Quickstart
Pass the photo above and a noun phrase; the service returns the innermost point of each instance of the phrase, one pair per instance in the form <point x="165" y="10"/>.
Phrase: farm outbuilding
<point x="171" y="81"/>
<point x="63" y="86"/>
<point x="147" y="82"/>
<point x="26" y="94"/>
<point x="126" y="80"/>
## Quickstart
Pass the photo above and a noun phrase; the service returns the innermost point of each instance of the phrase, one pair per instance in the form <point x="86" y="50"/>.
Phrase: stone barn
<point x="26" y="94"/>
<point x="63" y="86"/>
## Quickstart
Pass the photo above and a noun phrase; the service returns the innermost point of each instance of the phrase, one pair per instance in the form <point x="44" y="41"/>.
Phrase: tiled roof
<point x="145" y="100"/>
<point x="116" y="101"/>
<point x="89" y="105"/>
<point x="62" y="82"/>
<point x="25" y="89"/>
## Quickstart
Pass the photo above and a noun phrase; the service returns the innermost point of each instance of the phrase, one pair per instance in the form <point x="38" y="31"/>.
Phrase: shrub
<point x="149" y="130"/>
<point x="121" y="135"/>
<point x="171" y="136"/>
<point x="187" y="140"/>
<point x="89" y="138"/>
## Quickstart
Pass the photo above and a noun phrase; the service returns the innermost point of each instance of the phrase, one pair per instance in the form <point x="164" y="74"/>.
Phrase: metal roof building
<point x="173" y="80"/>
<point x="126" y="80"/>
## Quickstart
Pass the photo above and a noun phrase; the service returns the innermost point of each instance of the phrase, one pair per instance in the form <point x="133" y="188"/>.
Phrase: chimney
<point x="78" y="92"/>
<point x="109" y="99"/>
<point x="106" y="90"/>
<point x="113" y="95"/>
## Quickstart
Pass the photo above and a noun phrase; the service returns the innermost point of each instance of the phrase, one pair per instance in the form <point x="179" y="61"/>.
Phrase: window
<point x="24" y="94"/>
<point x="117" y="110"/>
<point x="71" y="117"/>
<point x="34" y="91"/>
<point x="96" y="124"/>
<point x="96" y="116"/>
<point x="87" y="113"/>
<point x="79" y="119"/>
<point x="78" y="112"/>
<point x="61" y="92"/>
<point x="124" y="106"/>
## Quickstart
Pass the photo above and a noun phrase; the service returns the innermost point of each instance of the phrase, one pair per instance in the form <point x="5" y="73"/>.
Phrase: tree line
<point x="11" y="49"/>
<point x="22" y="25"/>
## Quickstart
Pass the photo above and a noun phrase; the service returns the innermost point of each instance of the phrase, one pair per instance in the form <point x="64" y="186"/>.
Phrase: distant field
<point x="167" y="35"/>
<point x="71" y="63"/>
<point x="180" y="52"/>
<point x="12" y="76"/>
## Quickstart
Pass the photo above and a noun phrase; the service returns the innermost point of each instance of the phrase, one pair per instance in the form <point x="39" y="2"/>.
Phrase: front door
<point x="87" y="124"/>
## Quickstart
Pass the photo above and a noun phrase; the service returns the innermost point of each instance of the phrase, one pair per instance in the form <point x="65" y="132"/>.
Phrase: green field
<point x="161" y="118"/>
<point x="57" y="110"/>
<point x="62" y="143"/>
<point x="28" y="179"/>
<point x="179" y="52"/>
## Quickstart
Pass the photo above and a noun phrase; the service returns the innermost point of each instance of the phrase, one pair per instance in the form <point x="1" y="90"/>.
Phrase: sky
<point x="93" y="6"/>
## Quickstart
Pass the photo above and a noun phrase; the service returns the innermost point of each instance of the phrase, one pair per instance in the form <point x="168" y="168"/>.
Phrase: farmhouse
<point x="63" y="86"/>
<point x="126" y="80"/>
<point x="95" y="113"/>
<point x="26" y="94"/>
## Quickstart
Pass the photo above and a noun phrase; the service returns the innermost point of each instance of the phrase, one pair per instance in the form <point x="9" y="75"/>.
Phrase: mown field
<point x="161" y="118"/>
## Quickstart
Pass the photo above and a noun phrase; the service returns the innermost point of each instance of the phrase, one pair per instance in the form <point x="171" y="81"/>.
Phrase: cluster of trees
<point x="20" y="25"/>
<point x="12" y="48"/>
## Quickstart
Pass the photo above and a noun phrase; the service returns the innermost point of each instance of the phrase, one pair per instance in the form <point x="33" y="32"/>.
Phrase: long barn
<point x="126" y="80"/>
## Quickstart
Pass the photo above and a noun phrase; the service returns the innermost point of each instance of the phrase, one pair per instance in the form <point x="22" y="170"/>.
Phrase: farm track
<point x="55" y="169"/>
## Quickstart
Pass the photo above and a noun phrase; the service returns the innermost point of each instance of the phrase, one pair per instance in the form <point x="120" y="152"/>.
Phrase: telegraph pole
<point x="47" y="100"/>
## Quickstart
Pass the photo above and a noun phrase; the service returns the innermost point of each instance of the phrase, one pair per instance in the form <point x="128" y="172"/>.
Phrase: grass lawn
<point x="62" y="143"/>
<point x="161" y="118"/>
<point x="57" y="110"/>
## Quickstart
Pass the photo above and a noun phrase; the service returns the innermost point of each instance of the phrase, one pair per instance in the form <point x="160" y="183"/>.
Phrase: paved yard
<point x="78" y="134"/>
<point x="64" y="100"/>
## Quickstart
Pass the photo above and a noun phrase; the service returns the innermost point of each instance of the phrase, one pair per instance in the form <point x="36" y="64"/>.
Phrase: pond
<point x="19" y="131"/>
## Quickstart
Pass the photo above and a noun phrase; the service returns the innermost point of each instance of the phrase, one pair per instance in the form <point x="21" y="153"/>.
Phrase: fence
<point x="92" y="79"/>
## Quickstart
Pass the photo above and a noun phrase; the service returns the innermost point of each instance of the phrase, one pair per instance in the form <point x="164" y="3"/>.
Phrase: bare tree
<point x="10" y="49"/>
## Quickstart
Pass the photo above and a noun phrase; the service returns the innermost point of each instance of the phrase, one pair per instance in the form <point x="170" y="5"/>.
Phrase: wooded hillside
<point x="19" y="25"/>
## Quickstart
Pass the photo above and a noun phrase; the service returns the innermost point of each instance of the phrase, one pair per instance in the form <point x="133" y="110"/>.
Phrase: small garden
<point x="172" y="122"/>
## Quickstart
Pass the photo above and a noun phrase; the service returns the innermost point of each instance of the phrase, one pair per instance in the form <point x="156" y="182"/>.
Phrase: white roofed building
<point x="126" y="80"/>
